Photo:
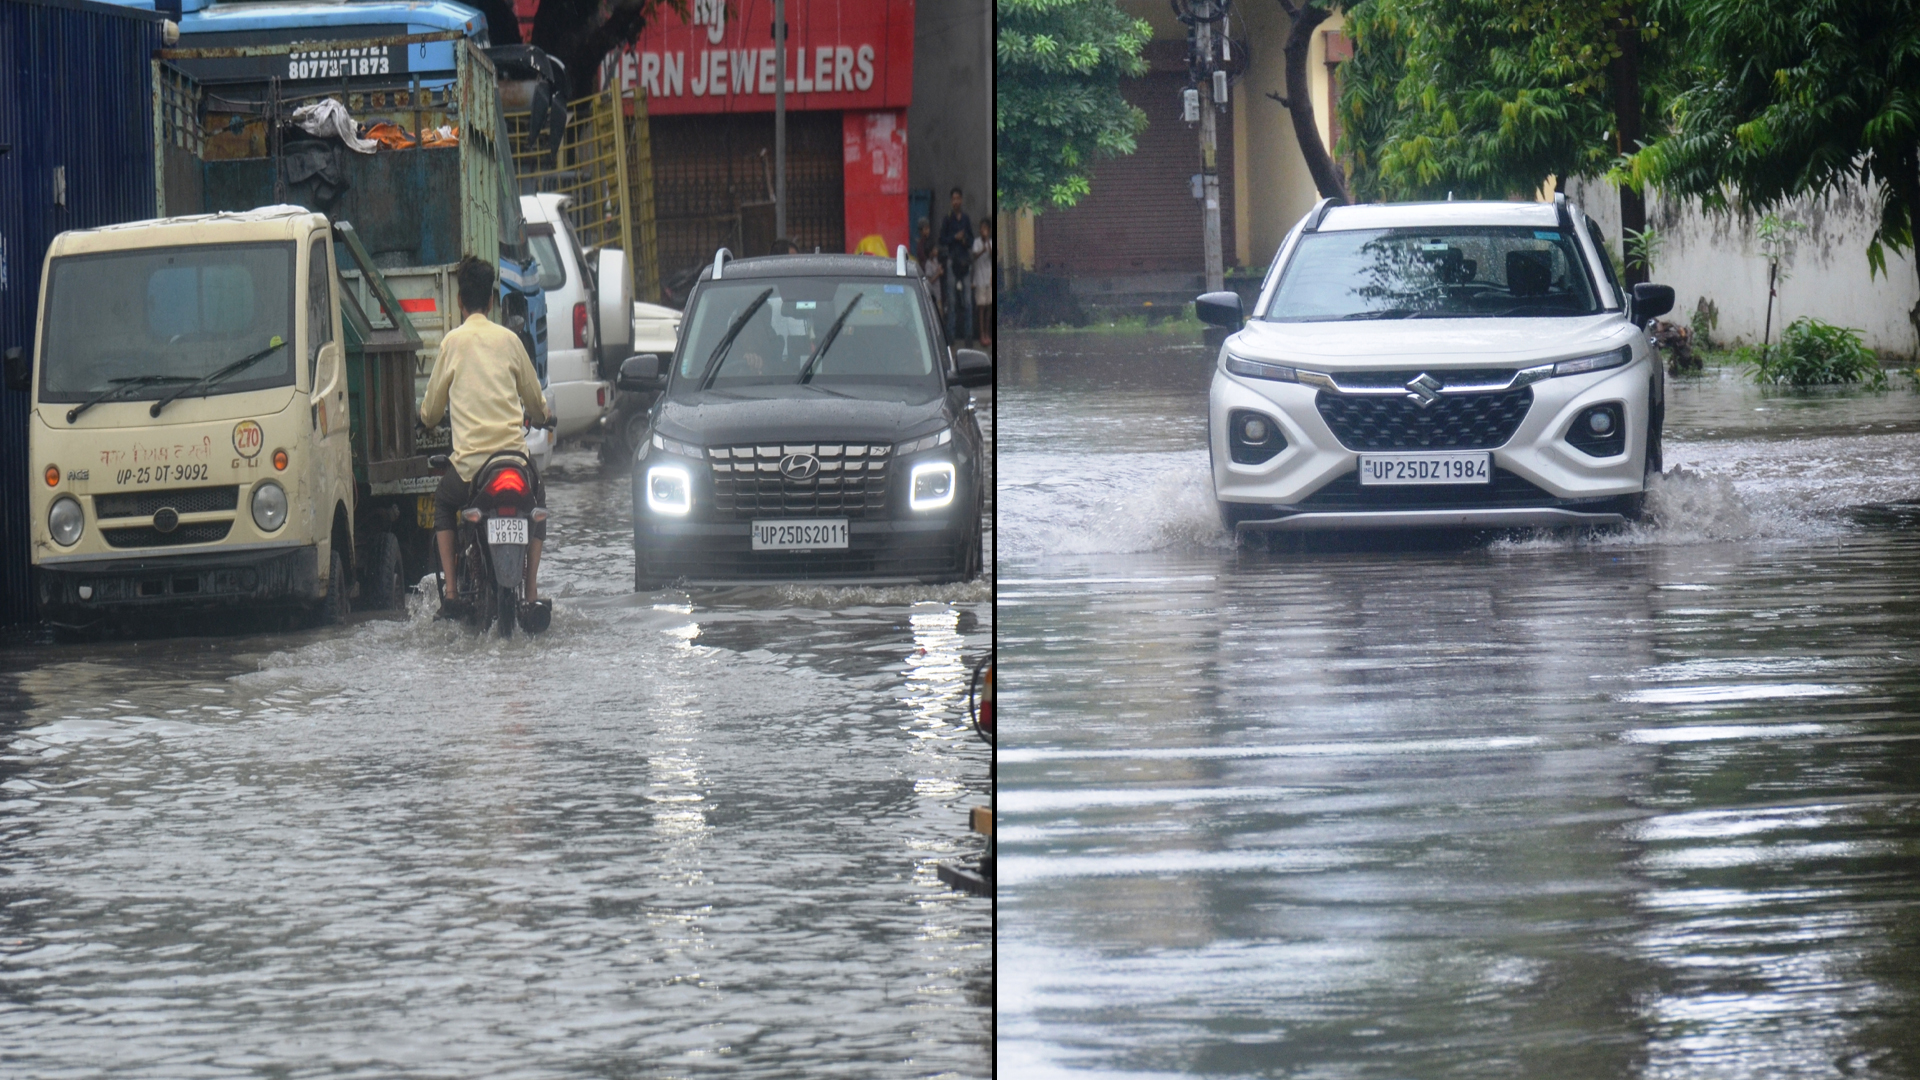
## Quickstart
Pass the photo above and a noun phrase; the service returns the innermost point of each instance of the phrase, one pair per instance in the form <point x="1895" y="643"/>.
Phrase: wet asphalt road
<point x="674" y="836"/>
<point x="1638" y="805"/>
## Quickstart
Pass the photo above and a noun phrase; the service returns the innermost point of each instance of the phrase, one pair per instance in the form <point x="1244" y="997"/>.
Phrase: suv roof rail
<point x="1319" y="212"/>
<point x="900" y="260"/>
<point x="1560" y="211"/>
<point x="720" y="258"/>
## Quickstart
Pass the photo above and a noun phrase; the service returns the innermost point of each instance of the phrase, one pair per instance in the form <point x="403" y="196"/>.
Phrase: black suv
<point x="811" y="425"/>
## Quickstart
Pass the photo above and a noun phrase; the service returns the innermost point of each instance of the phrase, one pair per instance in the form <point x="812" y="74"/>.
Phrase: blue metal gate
<point x="76" y="117"/>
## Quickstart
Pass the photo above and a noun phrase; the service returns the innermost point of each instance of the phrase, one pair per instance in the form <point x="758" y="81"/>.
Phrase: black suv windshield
<point x="885" y="339"/>
<point x="167" y="316"/>
<point x="1456" y="272"/>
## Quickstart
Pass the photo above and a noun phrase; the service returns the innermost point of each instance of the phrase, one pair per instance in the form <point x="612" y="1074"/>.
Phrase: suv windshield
<point x="167" y="315"/>
<point x="1457" y="272"/>
<point x="884" y="340"/>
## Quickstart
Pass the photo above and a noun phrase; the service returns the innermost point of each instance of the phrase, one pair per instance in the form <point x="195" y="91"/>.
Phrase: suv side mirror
<point x="641" y="374"/>
<point x="1220" y="309"/>
<point x="971" y="368"/>
<point x="1650" y="302"/>
<point x="19" y="371"/>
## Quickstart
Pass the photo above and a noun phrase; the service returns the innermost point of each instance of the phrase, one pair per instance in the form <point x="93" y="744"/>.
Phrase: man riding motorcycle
<point x="485" y="378"/>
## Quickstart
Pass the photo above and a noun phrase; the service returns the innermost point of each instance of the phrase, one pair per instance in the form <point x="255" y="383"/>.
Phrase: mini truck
<point x="210" y="412"/>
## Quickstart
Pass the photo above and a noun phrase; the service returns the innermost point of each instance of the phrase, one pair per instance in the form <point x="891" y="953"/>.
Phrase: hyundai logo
<point x="1424" y="390"/>
<point x="799" y="466"/>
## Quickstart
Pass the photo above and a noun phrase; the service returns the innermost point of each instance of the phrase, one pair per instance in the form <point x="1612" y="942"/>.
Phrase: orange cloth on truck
<point x="391" y="136"/>
<point x="444" y="136"/>
<point x="484" y="376"/>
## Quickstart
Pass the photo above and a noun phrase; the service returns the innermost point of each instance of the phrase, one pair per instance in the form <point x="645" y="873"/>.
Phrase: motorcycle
<point x="490" y="547"/>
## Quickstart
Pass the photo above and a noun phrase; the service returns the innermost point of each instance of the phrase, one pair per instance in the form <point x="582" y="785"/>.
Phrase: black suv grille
<point x="183" y="500"/>
<point x="205" y="532"/>
<point x="851" y="481"/>
<point x="1395" y="422"/>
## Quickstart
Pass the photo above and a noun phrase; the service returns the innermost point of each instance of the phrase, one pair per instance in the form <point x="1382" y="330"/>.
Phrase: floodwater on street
<point x="1641" y="804"/>
<point x="676" y="835"/>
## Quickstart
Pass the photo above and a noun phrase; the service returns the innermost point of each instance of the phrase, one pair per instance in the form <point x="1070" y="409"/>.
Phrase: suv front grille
<point x="183" y="500"/>
<point x="851" y="481"/>
<point x="1395" y="422"/>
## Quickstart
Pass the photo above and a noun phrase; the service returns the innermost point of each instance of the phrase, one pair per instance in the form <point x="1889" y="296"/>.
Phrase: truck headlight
<point x="269" y="506"/>
<point x="66" y="521"/>
<point x="669" y="490"/>
<point x="931" y="485"/>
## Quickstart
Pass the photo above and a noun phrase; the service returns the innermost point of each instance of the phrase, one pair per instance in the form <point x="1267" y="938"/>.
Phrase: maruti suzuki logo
<point x="799" y="466"/>
<point x="1424" y="390"/>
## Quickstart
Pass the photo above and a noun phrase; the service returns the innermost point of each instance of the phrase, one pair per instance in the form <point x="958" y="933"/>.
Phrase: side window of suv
<point x="319" y="305"/>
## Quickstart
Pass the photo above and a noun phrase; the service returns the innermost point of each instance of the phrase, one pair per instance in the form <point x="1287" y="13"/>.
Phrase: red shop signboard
<point x="849" y="56"/>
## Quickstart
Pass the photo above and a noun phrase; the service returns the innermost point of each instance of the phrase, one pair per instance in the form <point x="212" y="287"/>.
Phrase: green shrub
<point x="1814" y="353"/>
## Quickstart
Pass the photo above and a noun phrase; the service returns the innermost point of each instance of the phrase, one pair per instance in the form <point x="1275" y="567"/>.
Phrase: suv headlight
<point x="674" y="446"/>
<point x="669" y="490"/>
<point x="1602" y="362"/>
<point x="66" y="521"/>
<point x="938" y="438"/>
<point x="269" y="506"/>
<point x="1261" y="369"/>
<point x="930" y="485"/>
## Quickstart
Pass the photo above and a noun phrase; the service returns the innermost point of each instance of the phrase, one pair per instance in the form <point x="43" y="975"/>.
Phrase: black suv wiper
<point x="205" y="382"/>
<point x="726" y="340"/>
<point x="121" y="386"/>
<point x="806" y="369"/>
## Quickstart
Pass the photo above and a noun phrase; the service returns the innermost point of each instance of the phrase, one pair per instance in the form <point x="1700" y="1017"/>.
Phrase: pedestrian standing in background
<point x="983" y="268"/>
<point x="956" y="245"/>
<point x="926" y="252"/>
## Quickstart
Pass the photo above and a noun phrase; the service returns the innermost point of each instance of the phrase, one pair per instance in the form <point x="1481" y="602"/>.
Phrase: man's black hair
<point x="956" y="191"/>
<point x="475" y="278"/>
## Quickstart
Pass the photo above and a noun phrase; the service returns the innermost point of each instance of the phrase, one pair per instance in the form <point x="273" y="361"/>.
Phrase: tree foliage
<point x="1797" y="97"/>
<point x="580" y="33"/>
<point x="1057" y="102"/>
<point x="1488" y="98"/>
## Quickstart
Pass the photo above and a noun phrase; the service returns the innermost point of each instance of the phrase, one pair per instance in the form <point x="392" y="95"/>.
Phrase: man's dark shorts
<point x="452" y="495"/>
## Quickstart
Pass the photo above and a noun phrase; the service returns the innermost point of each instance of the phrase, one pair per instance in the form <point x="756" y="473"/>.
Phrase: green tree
<point x="1057" y="103"/>
<point x="1488" y="98"/>
<point x="1797" y="97"/>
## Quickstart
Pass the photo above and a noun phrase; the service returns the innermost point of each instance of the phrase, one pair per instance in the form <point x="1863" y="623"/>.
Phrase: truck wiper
<point x="726" y="340"/>
<point x="205" y="382"/>
<point x="121" y="386"/>
<point x="806" y="370"/>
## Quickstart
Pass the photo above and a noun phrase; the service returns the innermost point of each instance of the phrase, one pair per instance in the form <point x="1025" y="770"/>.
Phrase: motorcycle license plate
<point x="1440" y="468"/>
<point x="799" y="534"/>
<point x="506" y="530"/>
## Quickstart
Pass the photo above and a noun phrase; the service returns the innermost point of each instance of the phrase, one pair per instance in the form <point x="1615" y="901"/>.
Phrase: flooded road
<point x="1645" y="804"/>
<point x="675" y="835"/>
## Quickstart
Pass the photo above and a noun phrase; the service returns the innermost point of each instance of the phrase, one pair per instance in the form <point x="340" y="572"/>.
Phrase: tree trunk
<point x="1327" y="176"/>
<point x="1626" y="123"/>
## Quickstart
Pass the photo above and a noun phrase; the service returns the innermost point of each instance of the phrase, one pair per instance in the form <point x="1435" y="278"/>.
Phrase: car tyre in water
<point x="1655" y="465"/>
<point x="333" y="609"/>
<point x="506" y="609"/>
<point x="385" y="586"/>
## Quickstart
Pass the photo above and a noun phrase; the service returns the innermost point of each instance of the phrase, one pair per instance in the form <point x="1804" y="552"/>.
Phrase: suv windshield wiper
<point x="205" y="382"/>
<point x="806" y="369"/>
<point x="121" y="386"/>
<point x="726" y="340"/>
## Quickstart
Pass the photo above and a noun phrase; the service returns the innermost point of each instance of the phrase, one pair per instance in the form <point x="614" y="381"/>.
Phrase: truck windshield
<point x="177" y="311"/>
<point x="1457" y="272"/>
<point x="885" y="339"/>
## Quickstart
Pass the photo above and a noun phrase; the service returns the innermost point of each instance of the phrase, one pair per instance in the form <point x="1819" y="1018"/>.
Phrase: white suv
<point x="579" y="338"/>
<point x="1457" y="364"/>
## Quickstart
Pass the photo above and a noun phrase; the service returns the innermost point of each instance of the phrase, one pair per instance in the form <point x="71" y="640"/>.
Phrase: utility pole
<point x="779" y="118"/>
<point x="1209" y="146"/>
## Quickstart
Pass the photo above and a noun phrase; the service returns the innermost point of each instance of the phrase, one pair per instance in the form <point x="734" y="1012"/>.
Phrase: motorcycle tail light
<point x="470" y="515"/>
<point x="507" y="482"/>
<point x="579" y="326"/>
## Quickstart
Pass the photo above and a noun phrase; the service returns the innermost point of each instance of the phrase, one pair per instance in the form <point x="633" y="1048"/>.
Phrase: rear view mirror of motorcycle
<point x="641" y="373"/>
<point x="438" y="463"/>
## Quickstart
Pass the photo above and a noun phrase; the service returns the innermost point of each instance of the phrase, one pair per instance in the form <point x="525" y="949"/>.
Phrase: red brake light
<point x="580" y="326"/>
<point x="507" y="482"/>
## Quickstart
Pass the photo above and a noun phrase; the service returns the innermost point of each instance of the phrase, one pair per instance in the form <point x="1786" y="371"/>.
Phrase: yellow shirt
<point x="484" y="374"/>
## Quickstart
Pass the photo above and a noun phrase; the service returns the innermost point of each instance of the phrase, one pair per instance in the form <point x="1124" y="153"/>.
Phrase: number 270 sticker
<point x="247" y="438"/>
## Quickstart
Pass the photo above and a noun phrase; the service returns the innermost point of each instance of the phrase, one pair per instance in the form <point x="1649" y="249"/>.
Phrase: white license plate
<point x="1386" y="470"/>
<point x="506" y="530"/>
<point x="799" y="534"/>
